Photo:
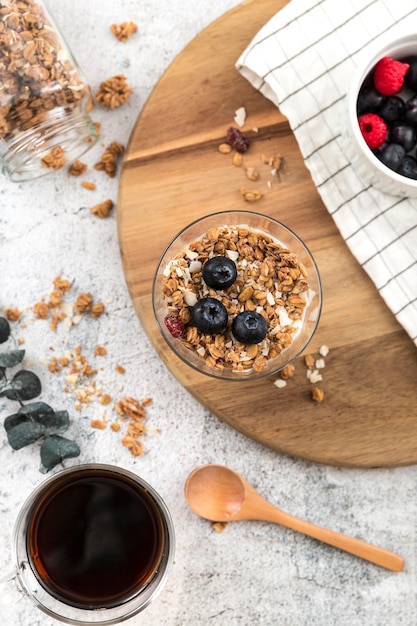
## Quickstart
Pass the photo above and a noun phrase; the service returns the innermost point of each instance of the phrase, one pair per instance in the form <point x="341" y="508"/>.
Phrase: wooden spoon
<point x="219" y="494"/>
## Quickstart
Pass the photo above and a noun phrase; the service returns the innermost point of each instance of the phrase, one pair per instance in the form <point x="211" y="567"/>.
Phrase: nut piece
<point x="252" y="173"/>
<point x="309" y="360"/>
<point x="288" y="371"/>
<point x="224" y="148"/>
<point x="237" y="159"/>
<point x="317" y="394"/>
<point x="251" y="195"/>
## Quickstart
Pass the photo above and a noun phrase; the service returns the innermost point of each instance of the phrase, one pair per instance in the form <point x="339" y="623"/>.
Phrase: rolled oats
<point x="269" y="276"/>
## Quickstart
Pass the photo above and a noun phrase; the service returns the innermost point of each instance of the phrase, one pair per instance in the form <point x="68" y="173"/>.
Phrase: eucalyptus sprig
<point x="35" y="421"/>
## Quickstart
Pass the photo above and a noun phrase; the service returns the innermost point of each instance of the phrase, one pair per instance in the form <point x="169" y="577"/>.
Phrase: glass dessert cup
<point x="271" y="362"/>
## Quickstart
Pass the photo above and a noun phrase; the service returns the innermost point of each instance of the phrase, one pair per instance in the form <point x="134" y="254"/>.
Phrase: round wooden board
<point x="173" y="173"/>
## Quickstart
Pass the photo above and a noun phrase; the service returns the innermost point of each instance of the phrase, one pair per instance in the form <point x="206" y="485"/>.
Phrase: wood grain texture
<point x="172" y="173"/>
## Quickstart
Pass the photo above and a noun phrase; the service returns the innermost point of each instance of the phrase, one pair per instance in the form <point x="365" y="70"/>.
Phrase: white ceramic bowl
<point x="368" y="167"/>
<point x="278" y="232"/>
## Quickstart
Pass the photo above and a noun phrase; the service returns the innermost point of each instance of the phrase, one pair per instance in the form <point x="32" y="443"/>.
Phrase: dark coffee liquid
<point x="95" y="539"/>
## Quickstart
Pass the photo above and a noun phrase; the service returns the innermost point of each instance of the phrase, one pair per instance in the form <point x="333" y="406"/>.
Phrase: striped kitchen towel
<point x="303" y="60"/>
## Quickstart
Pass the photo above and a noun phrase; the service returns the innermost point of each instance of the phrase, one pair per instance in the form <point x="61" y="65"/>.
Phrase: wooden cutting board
<point x="173" y="174"/>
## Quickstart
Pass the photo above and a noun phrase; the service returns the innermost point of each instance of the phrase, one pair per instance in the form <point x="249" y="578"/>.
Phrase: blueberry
<point x="410" y="110"/>
<point x="249" y="327"/>
<point x="392" y="109"/>
<point x="404" y="134"/>
<point x="209" y="315"/>
<point x="369" y="100"/>
<point x="408" y="167"/>
<point x="392" y="155"/>
<point x="219" y="272"/>
<point x="410" y="78"/>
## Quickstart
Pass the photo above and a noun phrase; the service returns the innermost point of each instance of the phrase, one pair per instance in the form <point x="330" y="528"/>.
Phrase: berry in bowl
<point x="237" y="295"/>
<point x="381" y="137"/>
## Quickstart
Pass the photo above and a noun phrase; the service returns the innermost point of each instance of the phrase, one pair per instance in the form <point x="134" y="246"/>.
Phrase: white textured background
<point x="253" y="573"/>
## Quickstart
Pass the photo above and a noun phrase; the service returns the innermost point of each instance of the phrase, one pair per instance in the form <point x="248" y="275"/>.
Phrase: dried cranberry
<point x="237" y="139"/>
<point x="175" y="326"/>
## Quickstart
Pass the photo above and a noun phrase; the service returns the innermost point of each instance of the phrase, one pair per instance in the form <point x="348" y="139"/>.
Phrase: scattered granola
<point x="41" y="310"/>
<point x="270" y="281"/>
<point x="114" y="91"/>
<point x="12" y="314"/>
<point x="102" y="209"/>
<point x="131" y="409"/>
<point x="54" y="158"/>
<point x="109" y="158"/>
<point x="88" y="185"/>
<point x="313" y="365"/>
<point x="77" y="168"/>
<point x="124" y="30"/>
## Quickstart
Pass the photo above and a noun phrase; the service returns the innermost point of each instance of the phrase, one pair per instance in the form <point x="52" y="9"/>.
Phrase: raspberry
<point x="175" y="326"/>
<point x="237" y="139"/>
<point x="389" y="75"/>
<point x="373" y="129"/>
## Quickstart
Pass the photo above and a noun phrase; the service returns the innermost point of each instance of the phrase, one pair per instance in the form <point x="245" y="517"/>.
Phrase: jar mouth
<point x="47" y="146"/>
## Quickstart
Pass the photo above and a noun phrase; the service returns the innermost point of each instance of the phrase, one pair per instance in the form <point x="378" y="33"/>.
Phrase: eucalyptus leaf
<point x="25" y="433"/>
<point x="55" y="423"/>
<point x="36" y="409"/>
<point x="4" y="329"/>
<point x="25" y="385"/>
<point x="12" y="358"/>
<point x="14" y="420"/>
<point x="55" y="449"/>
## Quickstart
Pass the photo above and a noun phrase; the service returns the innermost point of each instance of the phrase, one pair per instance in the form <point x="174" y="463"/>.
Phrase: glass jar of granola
<point x="44" y="98"/>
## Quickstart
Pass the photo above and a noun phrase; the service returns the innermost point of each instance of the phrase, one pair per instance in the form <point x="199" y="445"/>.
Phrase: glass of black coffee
<point x="93" y="544"/>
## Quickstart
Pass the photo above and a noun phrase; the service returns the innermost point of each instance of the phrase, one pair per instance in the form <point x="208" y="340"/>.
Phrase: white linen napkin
<point x="303" y="60"/>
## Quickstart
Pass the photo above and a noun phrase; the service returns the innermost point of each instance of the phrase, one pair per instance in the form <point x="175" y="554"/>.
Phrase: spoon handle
<point x="358" y="547"/>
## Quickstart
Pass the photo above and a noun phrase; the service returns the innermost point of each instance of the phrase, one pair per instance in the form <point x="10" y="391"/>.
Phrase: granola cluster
<point x="37" y="75"/>
<point x="123" y="31"/>
<point x="270" y="280"/>
<point x="114" y="91"/>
